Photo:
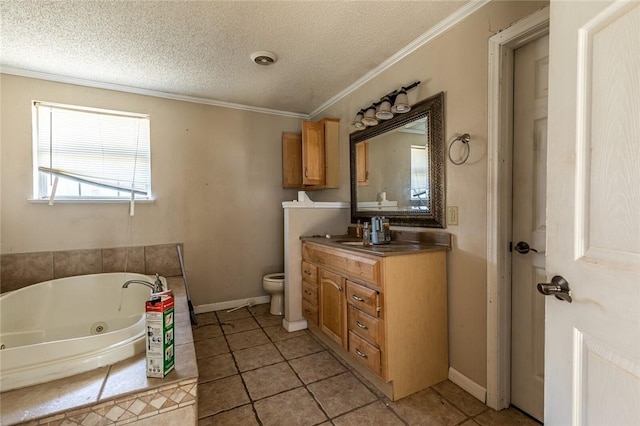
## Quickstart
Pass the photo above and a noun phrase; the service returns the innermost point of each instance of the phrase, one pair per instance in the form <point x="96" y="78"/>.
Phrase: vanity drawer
<point x="310" y="312"/>
<point x="356" y="266"/>
<point x="363" y="298"/>
<point x="364" y="325"/>
<point x="310" y="292"/>
<point x="368" y="354"/>
<point x="309" y="272"/>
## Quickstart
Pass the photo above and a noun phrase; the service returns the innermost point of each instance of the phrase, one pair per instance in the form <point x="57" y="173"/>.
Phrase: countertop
<point x="402" y="242"/>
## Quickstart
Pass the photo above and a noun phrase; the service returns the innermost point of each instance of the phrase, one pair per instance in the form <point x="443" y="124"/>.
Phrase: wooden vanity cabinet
<point x="386" y="314"/>
<point x="310" y="293"/>
<point x="310" y="159"/>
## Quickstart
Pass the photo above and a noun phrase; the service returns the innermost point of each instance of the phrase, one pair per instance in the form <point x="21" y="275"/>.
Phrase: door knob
<point x="559" y="287"/>
<point x="522" y="247"/>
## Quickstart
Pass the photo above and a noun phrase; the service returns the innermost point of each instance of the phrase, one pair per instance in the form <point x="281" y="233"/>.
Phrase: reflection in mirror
<point x="397" y="168"/>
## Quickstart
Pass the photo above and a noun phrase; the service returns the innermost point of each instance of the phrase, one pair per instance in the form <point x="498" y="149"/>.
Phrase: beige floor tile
<point x="224" y="316"/>
<point x="292" y="408"/>
<point x="241" y="416"/>
<point x="463" y="400"/>
<point x="267" y="381"/>
<point x="340" y="394"/>
<point x="206" y="319"/>
<point x="298" y="346"/>
<point x="211" y="347"/>
<point x="216" y="367"/>
<point x="257" y="356"/>
<point x="507" y="417"/>
<point x="221" y="395"/>
<point x="427" y="407"/>
<point x="269" y="320"/>
<point x="239" y="325"/>
<point x="247" y="339"/>
<point x="261" y="309"/>
<point x="372" y="414"/>
<point x="206" y="332"/>
<point x="277" y="333"/>
<point x="318" y="366"/>
<point x="469" y="422"/>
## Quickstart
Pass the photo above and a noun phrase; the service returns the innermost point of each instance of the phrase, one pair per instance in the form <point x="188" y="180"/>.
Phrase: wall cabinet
<point x="387" y="314"/>
<point x="362" y="163"/>
<point x="310" y="159"/>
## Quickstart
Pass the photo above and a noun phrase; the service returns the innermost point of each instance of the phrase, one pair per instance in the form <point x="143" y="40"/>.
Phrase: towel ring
<point x="465" y="139"/>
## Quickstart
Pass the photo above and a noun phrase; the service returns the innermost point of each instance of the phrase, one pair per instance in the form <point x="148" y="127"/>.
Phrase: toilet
<point x="273" y="284"/>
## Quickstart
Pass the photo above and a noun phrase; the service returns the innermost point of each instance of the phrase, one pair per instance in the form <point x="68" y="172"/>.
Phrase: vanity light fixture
<point x="357" y="122"/>
<point x="390" y="104"/>
<point x="383" y="111"/>
<point x="369" y="118"/>
<point x="401" y="104"/>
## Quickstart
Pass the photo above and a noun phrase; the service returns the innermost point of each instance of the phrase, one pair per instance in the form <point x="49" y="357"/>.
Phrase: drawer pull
<point x="363" y="355"/>
<point x="362" y="326"/>
<point x="306" y="272"/>
<point x="308" y="312"/>
<point x="357" y="298"/>
<point x="308" y="293"/>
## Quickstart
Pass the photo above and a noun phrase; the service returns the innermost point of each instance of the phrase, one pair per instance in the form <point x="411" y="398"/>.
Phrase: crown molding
<point x="146" y="92"/>
<point x="435" y="31"/>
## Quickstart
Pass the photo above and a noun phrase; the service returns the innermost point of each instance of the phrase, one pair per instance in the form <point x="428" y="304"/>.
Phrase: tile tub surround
<point x="116" y="394"/>
<point x="19" y="270"/>
<point x="253" y="372"/>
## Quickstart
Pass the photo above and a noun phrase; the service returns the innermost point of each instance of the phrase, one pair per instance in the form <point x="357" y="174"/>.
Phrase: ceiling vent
<point x="264" y="57"/>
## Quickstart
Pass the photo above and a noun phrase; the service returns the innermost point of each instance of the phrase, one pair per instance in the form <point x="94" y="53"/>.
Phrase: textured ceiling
<point x="201" y="49"/>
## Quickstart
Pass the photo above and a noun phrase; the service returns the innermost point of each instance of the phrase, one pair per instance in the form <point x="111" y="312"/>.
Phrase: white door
<point x="530" y="88"/>
<point x="592" y="354"/>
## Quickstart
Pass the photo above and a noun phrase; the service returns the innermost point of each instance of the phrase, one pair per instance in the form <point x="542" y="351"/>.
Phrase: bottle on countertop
<point x="366" y="235"/>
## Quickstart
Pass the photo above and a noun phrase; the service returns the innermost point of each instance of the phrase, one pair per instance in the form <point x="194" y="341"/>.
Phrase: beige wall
<point x="217" y="180"/>
<point x="456" y="63"/>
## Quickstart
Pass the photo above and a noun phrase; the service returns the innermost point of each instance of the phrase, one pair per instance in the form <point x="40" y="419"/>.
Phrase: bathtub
<point x="67" y="326"/>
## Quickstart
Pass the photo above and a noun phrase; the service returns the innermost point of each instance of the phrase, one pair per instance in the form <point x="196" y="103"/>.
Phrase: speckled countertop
<point x="402" y="242"/>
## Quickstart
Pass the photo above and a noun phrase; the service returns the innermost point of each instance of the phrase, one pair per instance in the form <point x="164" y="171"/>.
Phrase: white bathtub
<point x="67" y="326"/>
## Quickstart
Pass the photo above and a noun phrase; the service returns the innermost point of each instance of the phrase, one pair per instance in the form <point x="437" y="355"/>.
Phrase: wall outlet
<point x="452" y="215"/>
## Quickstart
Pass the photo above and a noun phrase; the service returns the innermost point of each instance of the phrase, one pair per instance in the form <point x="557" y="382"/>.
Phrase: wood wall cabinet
<point x="362" y="163"/>
<point x="310" y="160"/>
<point x="387" y="314"/>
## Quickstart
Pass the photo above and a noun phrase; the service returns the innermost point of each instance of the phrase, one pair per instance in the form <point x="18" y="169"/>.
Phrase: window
<point x="90" y="154"/>
<point x="419" y="176"/>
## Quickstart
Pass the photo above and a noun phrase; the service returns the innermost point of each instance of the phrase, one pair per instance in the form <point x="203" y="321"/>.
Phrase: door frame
<point x="499" y="201"/>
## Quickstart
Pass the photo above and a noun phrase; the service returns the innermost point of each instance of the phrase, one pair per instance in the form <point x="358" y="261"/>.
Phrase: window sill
<point x="87" y="201"/>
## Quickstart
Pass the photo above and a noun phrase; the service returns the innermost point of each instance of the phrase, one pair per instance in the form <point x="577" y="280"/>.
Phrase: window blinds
<point x="104" y="148"/>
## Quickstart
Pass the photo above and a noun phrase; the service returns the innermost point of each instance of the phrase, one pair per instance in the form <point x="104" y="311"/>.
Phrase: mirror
<point x="397" y="168"/>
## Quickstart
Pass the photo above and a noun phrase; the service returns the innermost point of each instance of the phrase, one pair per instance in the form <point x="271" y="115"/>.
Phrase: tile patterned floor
<point x="253" y="372"/>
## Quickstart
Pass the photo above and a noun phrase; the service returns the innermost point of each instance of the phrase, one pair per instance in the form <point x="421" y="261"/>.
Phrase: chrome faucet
<point x="156" y="287"/>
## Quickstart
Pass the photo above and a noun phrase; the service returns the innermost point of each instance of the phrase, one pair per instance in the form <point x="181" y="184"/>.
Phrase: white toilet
<point x="273" y="284"/>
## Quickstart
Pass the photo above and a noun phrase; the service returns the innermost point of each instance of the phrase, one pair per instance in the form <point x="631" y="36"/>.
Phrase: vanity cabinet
<point x="310" y="159"/>
<point x="386" y="314"/>
<point x="310" y="293"/>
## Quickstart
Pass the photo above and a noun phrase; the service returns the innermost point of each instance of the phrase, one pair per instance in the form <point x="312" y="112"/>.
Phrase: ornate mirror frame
<point x="433" y="108"/>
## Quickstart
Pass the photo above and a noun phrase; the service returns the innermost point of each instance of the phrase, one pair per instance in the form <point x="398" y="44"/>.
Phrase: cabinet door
<point x="362" y="163"/>
<point x="291" y="160"/>
<point x="313" y="166"/>
<point x="332" y="307"/>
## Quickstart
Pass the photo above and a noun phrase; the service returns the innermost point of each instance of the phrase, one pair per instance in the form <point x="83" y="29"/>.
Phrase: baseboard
<point x="200" y="309"/>
<point x="467" y="384"/>
<point x="294" y="325"/>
